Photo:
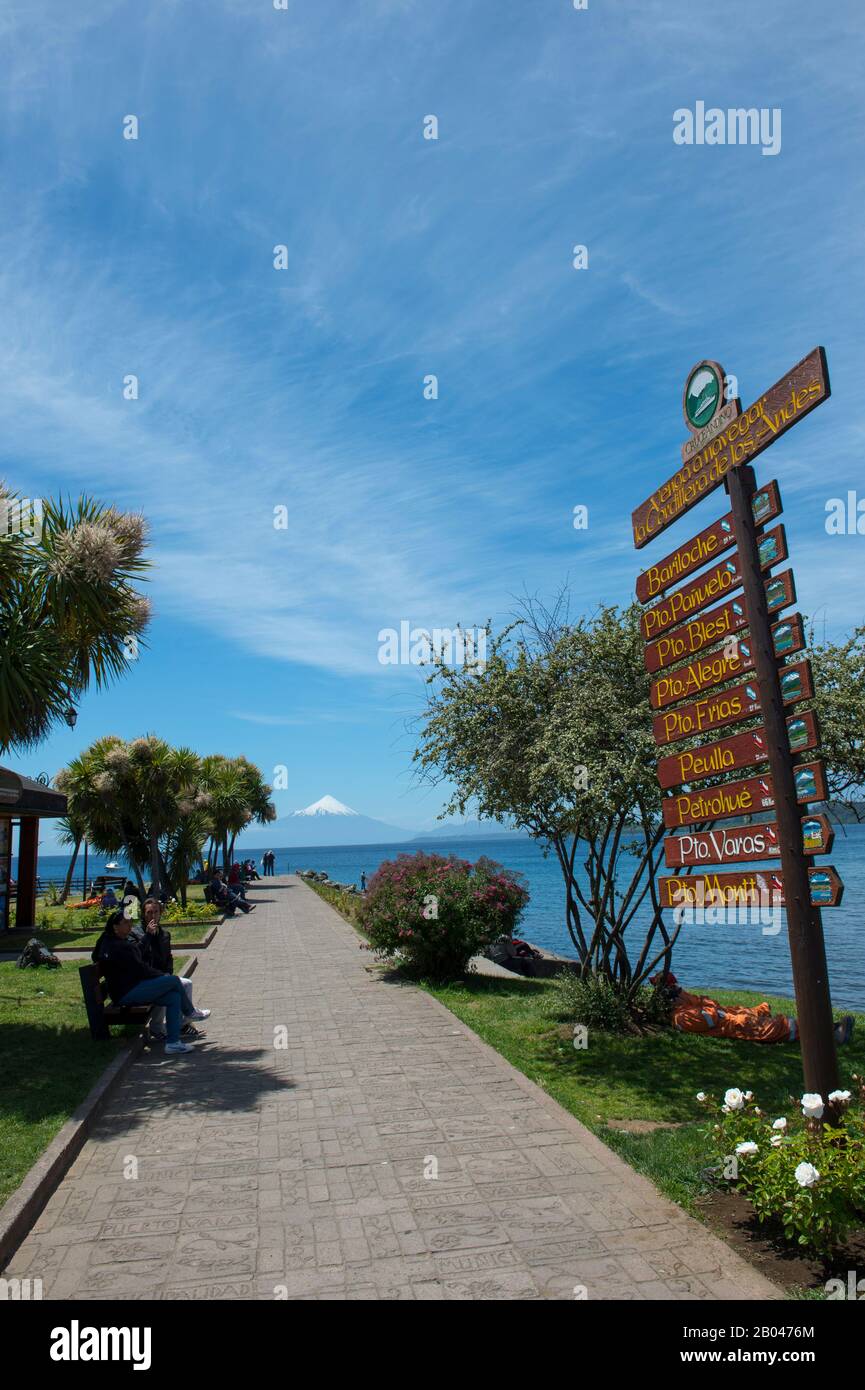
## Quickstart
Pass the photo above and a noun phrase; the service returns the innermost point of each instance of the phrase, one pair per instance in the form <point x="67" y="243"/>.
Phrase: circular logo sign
<point x="704" y="395"/>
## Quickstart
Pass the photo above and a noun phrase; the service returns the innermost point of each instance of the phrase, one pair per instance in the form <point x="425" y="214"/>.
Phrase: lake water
<point x="736" y="955"/>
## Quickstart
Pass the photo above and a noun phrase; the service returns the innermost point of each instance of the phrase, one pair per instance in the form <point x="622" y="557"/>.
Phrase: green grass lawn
<point x="50" y="1061"/>
<point x="655" y="1077"/>
<point x="66" y="926"/>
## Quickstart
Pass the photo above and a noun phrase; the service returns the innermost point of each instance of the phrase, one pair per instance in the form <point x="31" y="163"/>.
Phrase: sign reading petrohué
<point x="698" y="653"/>
<point x="746" y="436"/>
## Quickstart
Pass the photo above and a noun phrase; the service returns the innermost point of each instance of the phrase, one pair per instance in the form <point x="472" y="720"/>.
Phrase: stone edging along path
<point x="23" y="1208"/>
<point x="341" y="1135"/>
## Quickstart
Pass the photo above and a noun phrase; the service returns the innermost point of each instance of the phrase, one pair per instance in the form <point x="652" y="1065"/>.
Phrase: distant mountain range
<point x="331" y="822"/>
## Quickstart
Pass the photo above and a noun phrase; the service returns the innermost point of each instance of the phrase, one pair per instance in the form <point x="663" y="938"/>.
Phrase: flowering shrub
<point x="796" y="1171"/>
<point x="434" y="913"/>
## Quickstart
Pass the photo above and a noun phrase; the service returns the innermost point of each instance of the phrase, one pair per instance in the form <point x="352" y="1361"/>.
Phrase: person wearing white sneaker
<point x="132" y="981"/>
<point x="155" y="944"/>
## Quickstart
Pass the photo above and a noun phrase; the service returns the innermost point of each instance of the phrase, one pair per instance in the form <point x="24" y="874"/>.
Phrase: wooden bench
<point x="101" y="1014"/>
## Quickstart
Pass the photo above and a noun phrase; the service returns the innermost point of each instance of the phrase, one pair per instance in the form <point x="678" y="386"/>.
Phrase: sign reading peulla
<point x="707" y="545"/>
<point x="786" y="403"/>
<point x="730" y="754"/>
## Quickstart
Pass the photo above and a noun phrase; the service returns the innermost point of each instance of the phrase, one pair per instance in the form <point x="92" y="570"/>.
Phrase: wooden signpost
<point x="695" y="651"/>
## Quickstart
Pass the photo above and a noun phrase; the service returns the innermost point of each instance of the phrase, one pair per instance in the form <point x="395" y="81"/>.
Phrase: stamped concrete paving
<point x="300" y="1170"/>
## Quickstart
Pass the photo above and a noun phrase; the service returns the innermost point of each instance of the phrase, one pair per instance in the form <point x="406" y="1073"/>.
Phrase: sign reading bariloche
<point x="706" y="545"/>
<point x="698" y="652"/>
<point x="746" y="436"/>
<point x="684" y="602"/>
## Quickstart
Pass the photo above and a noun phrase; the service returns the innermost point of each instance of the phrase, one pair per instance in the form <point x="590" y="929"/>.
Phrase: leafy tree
<point x="68" y="610"/>
<point x="553" y="730"/>
<point x="839" y="687"/>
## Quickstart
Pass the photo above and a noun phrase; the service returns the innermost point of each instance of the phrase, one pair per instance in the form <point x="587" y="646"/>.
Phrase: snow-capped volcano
<point x="327" y="806"/>
<point x="325" y="822"/>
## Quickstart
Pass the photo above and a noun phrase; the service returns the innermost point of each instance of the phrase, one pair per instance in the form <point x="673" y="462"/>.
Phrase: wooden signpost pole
<point x="804" y="922"/>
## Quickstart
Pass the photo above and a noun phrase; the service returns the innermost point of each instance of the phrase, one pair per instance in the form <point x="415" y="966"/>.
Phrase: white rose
<point x="812" y="1106"/>
<point x="840" y="1097"/>
<point x="733" y="1099"/>
<point x="749" y="1095"/>
<point x="806" y="1175"/>
<point x="779" y="1124"/>
<point x="701" y="1095"/>
<point x="749" y="1147"/>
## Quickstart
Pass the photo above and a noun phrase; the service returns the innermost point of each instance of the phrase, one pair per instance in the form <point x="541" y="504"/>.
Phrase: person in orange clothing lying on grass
<point x="697" y="1013"/>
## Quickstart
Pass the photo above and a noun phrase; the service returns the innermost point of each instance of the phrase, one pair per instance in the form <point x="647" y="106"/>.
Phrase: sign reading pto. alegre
<point x="783" y="405"/>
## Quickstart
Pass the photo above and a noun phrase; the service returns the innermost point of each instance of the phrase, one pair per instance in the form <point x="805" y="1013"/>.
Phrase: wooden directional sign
<point x="729" y="706"/>
<point x="706" y="545"/>
<point x="700" y="592"/>
<point x="783" y="405"/>
<point x="729" y="754"/>
<point x="728" y="618"/>
<point x="752" y="888"/>
<point x="724" y="800"/>
<point x="717" y="666"/>
<point x="748" y="843"/>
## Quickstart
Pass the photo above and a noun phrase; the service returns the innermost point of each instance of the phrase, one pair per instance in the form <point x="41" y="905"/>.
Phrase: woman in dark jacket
<point x="155" y="943"/>
<point x="131" y="980"/>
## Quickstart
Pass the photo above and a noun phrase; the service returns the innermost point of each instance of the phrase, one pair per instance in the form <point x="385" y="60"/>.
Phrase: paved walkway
<point x="300" y="1170"/>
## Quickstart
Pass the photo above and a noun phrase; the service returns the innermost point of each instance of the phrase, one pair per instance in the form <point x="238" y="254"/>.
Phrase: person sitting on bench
<point x="132" y="981"/>
<point x="155" y="946"/>
<point x="224" y="898"/>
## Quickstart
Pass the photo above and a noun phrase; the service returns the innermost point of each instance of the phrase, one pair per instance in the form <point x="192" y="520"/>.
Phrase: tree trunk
<point x="70" y="871"/>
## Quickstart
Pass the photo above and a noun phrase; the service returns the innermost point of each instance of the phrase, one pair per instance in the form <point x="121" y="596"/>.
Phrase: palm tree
<point x="101" y="791"/>
<point x="165" y="778"/>
<point x="68" y="611"/>
<point x="71" y="831"/>
<point x="238" y="796"/>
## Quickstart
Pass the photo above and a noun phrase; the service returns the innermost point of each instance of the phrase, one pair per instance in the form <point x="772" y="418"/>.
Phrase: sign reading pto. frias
<point x="740" y="441"/>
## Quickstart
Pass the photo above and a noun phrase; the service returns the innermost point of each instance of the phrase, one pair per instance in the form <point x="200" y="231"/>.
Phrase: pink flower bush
<point x="435" y="913"/>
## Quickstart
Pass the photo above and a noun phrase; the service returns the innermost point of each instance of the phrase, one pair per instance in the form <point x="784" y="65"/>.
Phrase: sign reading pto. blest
<point x="783" y="405"/>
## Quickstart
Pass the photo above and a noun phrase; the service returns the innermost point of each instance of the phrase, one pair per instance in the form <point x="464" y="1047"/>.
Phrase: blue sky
<point x="303" y="388"/>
